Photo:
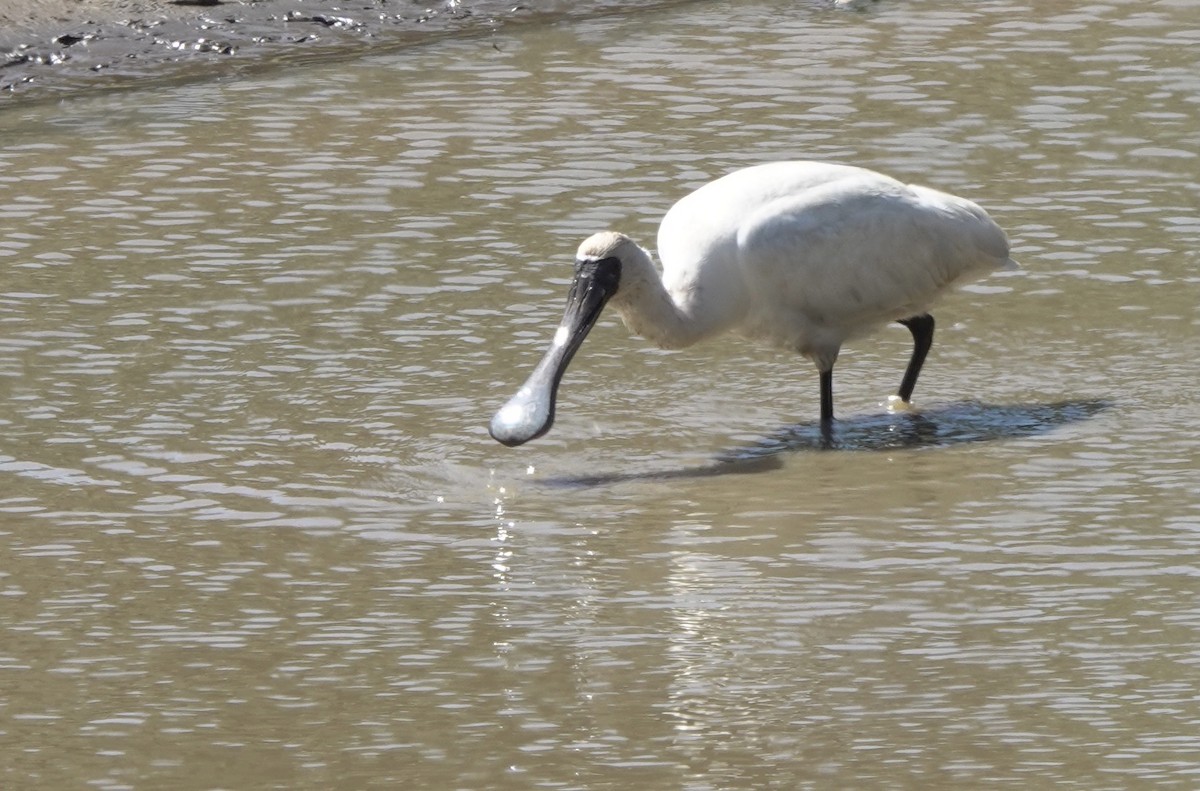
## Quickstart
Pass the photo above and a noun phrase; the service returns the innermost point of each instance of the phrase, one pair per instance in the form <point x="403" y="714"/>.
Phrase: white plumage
<point x="799" y="255"/>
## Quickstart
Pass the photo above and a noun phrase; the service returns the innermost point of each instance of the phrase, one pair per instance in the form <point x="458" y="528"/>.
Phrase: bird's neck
<point x="651" y="311"/>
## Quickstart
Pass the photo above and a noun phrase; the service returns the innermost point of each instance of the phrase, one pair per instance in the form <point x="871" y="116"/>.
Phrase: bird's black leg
<point x="921" y="328"/>
<point x="827" y="408"/>
<point x="826" y="397"/>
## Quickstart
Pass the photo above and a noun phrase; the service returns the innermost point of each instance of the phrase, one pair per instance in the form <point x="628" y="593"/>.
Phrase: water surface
<point x="254" y="533"/>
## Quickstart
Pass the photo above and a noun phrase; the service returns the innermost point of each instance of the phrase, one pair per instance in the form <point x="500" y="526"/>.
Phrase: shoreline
<point x="70" y="46"/>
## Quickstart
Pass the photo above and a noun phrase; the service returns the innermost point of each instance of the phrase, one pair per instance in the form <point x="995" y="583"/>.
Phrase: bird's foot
<point x="895" y="405"/>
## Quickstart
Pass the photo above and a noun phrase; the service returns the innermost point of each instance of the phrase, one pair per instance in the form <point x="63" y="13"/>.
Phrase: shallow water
<point x="254" y="533"/>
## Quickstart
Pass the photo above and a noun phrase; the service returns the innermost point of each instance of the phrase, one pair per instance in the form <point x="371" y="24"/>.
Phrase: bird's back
<point x="808" y="254"/>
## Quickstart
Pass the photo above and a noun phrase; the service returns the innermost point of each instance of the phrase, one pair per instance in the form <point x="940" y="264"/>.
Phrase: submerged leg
<point x="921" y="328"/>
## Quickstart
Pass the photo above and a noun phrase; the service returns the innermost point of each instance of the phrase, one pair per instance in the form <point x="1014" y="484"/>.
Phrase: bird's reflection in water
<point x="954" y="424"/>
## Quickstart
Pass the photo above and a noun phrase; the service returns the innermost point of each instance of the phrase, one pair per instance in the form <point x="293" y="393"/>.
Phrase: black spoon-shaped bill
<point x="530" y="413"/>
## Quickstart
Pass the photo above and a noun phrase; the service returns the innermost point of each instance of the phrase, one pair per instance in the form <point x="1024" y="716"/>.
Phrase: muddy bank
<point x="69" y="45"/>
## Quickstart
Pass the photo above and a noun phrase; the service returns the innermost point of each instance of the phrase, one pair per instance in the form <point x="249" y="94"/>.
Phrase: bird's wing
<point x="850" y="251"/>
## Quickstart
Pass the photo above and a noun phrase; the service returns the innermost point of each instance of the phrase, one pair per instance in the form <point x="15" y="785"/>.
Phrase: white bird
<point x="799" y="255"/>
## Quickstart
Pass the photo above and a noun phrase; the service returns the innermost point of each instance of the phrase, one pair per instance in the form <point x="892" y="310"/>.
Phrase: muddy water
<point x="253" y="532"/>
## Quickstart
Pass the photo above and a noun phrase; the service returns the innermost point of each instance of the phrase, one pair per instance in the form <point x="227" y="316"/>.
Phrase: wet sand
<point x="27" y="14"/>
<point x="55" y="47"/>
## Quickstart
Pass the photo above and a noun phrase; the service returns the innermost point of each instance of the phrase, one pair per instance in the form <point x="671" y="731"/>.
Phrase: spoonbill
<point x="799" y="255"/>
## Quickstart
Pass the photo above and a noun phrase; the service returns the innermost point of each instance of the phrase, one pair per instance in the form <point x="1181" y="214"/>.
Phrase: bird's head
<point x="598" y="263"/>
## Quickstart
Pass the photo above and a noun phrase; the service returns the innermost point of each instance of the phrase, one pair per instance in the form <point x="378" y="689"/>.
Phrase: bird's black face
<point x="530" y="413"/>
<point x="596" y="280"/>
